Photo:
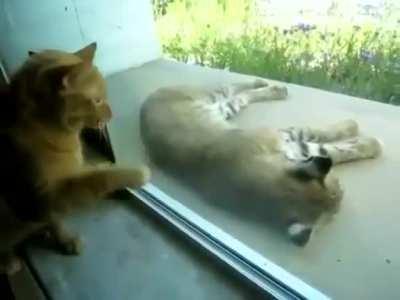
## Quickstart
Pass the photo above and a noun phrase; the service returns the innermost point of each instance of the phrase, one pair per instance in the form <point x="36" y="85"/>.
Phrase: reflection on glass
<point x="267" y="171"/>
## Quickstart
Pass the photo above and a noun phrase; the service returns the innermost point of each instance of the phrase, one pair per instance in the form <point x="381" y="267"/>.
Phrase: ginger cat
<point x="49" y="101"/>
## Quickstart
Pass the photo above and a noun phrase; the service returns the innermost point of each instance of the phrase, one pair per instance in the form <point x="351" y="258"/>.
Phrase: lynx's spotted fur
<point x="285" y="173"/>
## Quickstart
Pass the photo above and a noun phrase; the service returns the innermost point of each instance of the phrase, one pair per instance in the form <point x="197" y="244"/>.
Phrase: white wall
<point x="123" y="29"/>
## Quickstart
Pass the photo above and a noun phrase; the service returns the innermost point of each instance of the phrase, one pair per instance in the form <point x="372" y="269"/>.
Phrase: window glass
<point x="265" y="171"/>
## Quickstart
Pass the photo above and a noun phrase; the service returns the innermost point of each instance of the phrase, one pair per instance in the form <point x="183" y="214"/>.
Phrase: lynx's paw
<point x="276" y="92"/>
<point x="336" y="193"/>
<point x="259" y="83"/>
<point x="266" y="93"/>
<point x="369" y="147"/>
<point x="351" y="127"/>
<point x="346" y="129"/>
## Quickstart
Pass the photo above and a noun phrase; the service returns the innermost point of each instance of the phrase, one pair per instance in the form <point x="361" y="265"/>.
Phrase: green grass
<point x="362" y="62"/>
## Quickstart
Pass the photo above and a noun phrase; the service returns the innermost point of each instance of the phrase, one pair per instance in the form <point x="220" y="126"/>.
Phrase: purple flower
<point x="304" y="27"/>
<point x="395" y="66"/>
<point x="367" y="56"/>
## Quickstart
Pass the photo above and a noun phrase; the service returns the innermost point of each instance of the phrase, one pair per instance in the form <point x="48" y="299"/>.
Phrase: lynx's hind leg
<point x="273" y="92"/>
<point x="237" y="88"/>
<point x="231" y="99"/>
<point x="339" y="131"/>
<point x="335" y="132"/>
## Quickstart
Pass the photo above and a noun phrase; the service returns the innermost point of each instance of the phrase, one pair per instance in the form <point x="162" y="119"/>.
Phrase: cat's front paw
<point x="136" y="178"/>
<point x="10" y="265"/>
<point x="71" y="245"/>
<point x="145" y="175"/>
<point x="104" y="165"/>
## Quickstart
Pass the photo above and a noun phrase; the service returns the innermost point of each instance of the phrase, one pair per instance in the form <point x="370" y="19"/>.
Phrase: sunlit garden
<point x="350" y="47"/>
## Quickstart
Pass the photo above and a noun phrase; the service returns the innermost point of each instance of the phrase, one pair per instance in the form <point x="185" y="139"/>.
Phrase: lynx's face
<point x="309" y="191"/>
<point x="312" y="180"/>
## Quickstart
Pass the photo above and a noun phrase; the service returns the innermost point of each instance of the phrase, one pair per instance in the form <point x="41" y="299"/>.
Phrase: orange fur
<point x="51" y="99"/>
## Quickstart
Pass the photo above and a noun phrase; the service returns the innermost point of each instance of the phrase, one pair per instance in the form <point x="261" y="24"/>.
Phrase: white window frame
<point x="250" y="264"/>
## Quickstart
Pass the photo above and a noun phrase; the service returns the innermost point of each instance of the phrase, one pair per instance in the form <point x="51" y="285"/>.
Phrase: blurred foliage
<point x="230" y="34"/>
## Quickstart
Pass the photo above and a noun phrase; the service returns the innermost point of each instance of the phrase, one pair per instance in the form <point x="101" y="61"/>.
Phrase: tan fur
<point x="185" y="133"/>
<point x="55" y="95"/>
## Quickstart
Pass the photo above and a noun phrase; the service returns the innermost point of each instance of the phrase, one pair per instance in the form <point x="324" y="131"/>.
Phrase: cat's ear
<point x="60" y="76"/>
<point x="30" y="52"/>
<point x="87" y="53"/>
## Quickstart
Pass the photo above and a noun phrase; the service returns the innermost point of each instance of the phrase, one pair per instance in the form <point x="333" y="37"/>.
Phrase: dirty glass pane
<point x="263" y="169"/>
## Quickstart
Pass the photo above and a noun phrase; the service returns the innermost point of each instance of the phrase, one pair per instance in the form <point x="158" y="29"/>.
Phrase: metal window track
<point x="268" y="276"/>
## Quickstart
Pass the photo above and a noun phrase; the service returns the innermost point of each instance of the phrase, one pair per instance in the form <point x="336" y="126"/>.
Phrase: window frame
<point x="251" y="265"/>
